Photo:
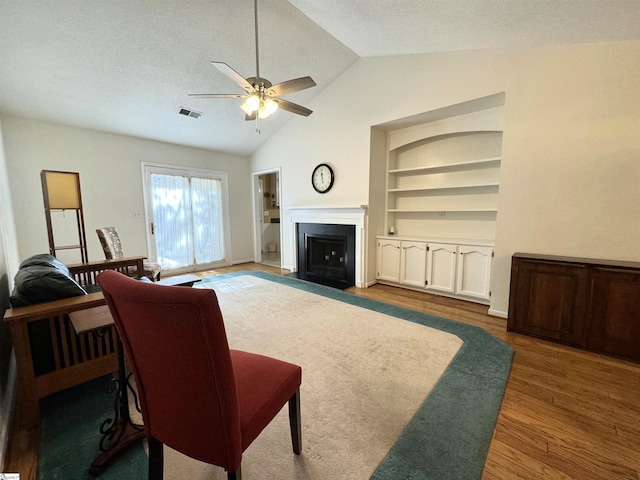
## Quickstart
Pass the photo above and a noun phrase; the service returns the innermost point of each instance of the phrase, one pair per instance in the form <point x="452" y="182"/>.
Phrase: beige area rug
<point x="364" y="375"/>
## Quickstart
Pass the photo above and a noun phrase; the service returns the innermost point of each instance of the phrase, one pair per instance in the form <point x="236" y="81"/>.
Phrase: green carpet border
<point x="461" y="411"/>
<point x="448" y="438"/>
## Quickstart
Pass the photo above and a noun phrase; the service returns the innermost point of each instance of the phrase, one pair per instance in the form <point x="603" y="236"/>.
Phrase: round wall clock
<point x="322" y="178"/>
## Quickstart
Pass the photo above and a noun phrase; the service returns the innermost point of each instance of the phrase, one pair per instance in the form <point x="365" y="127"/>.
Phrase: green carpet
<point x="69" y="436"/>
<point x="448" y="438"/>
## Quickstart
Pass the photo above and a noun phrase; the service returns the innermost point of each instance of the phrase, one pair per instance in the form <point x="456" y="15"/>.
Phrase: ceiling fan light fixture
<point x="271" y="105"/>
<point x="263" y="112"/>
<point x="253" y="102"/>
<point x="245" y="108"/>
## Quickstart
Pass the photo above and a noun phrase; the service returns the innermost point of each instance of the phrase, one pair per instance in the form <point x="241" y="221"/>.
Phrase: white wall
<point x="570" y="173"/>
<point x="8" y="268"/>
<point x="111" y="183"/>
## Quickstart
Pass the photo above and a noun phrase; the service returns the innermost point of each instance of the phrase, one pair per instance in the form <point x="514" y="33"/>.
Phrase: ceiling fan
<point x="262" y="98"/>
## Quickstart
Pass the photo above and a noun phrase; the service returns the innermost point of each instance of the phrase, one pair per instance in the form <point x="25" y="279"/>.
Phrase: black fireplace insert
<point x="326" y="254"/>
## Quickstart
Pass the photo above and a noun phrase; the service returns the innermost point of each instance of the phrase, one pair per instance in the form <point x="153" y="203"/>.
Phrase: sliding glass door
<point x="188" y="218"/>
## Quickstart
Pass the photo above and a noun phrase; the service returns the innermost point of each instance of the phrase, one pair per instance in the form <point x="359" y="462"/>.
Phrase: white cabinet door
<point x="461" y="271"/>
<point x="413" y="259"/>
<point x="474" y="271"/>
<point x="441" y="267"/>
<point x="388" y="260"/>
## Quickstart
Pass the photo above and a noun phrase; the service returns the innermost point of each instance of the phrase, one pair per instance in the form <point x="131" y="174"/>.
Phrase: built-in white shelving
<point x="443" y="178"/>
<point x="441" y="200"/>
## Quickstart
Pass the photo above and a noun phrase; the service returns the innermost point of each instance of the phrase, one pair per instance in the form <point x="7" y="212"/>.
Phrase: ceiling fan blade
<point x="294" y="108"/>
<point x="235" y="76"/>
<point x="291" y="86"/>
<point x="219" y="95"/>
<point x="251" y="117"/>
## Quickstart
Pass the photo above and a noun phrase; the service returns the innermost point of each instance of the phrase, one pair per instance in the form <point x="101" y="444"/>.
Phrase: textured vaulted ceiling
<point x="126" y="66"/>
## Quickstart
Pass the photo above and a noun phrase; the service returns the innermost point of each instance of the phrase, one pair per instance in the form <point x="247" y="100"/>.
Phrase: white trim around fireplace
<point x="332" y="215"/>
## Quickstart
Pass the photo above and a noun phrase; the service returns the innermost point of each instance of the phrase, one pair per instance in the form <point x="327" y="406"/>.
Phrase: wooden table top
<point x="91" y="319"/>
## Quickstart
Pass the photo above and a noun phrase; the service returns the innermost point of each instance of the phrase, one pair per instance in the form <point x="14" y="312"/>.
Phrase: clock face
<point x="322" y="178"/>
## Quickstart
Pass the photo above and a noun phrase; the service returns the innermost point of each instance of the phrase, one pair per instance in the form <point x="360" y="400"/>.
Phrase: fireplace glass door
<point x="326" y="254"/>
<point x="326" y="257"/>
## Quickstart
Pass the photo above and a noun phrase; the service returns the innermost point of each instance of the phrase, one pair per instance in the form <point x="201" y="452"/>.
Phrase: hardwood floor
<point x="566" y="414"/>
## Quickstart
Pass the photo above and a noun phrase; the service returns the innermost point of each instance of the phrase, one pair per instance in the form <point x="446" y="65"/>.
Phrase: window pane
<point x="172" y="219"/>
<point x="207" y="220"/>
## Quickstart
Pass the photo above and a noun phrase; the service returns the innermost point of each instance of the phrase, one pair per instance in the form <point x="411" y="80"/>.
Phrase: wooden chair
<point x="112" y="247"/>
<point x="197" y="396"/>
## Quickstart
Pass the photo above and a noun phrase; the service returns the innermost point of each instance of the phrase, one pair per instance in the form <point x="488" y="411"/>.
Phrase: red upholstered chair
<point x="197" y="396"/>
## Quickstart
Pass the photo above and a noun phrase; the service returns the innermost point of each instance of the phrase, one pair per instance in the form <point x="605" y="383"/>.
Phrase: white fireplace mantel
<point x="333" y="215"/>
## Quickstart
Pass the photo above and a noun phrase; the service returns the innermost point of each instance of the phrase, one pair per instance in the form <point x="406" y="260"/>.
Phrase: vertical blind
<point x="188" y="220"/>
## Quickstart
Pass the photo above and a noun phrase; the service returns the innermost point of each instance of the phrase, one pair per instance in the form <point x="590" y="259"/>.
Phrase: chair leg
<point x="237" y="475"/>
<point x="156" y="459"/>
<point x="295" y="423"/>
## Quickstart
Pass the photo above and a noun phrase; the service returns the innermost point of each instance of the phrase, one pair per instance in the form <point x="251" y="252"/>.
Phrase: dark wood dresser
<point x="581" y="302"/>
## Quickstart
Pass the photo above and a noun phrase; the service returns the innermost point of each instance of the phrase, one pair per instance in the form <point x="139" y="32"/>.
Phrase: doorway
<point x="268" y="230"/>
<point x="187" y="218"/>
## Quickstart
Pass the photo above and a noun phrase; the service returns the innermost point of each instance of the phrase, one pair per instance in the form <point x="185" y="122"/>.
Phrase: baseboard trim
<point x="498" y="313"/>
<point x="238" y="262"/>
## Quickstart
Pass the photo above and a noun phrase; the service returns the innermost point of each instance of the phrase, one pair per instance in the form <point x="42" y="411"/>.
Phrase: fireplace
<point x="355" y="217"/>
<point x="326" y="254"/>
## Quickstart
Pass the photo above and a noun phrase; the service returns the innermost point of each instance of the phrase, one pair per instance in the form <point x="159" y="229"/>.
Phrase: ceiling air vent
<point x="189" y="113"/>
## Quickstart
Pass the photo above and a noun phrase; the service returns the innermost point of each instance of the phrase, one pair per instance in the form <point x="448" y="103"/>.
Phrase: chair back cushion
<point x="110" y="241"/>
<point x="176" y="344"/>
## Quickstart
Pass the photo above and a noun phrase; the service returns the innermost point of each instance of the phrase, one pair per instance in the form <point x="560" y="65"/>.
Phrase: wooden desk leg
<point x="27" y="396"/>
<point x="122" y="431"/>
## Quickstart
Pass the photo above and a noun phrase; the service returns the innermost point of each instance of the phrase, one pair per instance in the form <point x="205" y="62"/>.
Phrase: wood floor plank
<point x="518" y="434"/>
<point x="610" y="411"/>
<point x="557" y="381"/>
<point x="555" y="420"/>
<point x="572" y="434"/>
<point x="628" y="436"/>
<point x="589" y="463"/>
<point x="564" y="453"/>
<point x="590" y="399"/>
<point x="507" y="462"/>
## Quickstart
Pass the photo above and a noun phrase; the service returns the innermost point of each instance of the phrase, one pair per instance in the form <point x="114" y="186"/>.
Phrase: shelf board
<point x="470" y="210"/>
<point x="444" y="187"/>
<point x="447" y="166"/>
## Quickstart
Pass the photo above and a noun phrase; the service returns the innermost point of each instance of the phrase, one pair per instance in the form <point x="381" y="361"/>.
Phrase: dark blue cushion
<point x="43" y="278"/>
